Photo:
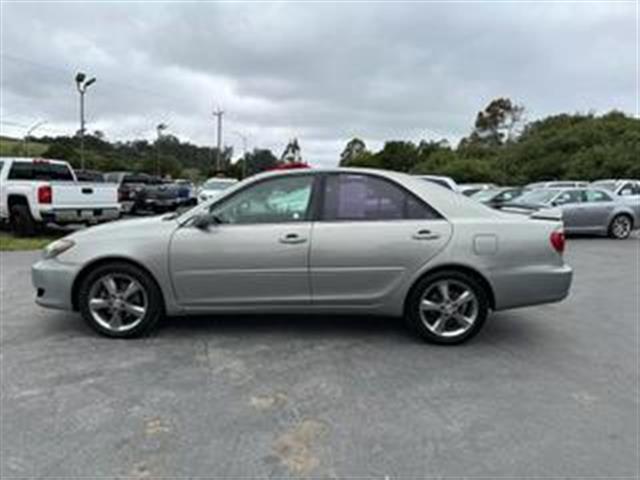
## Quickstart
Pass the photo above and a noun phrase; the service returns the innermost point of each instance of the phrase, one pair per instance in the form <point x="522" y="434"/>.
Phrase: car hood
<point x="133" y="228"/>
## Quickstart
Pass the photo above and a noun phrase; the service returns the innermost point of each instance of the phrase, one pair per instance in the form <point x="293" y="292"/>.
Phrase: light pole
<point x="82" y="84"/>
<point x="218" y="114"/>
<point x="31" y="129"/>
<point x="161" y="127"/>
<point x="244" y="151"/>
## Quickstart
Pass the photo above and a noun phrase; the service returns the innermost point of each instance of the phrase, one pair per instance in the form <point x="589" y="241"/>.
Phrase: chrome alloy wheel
<point x="118" y="302"/>
<point x="448" y="308"/>
<point x="621" y="227"/>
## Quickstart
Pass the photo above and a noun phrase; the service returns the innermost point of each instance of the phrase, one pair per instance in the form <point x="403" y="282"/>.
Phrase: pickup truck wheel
<point x="22" y="223"/>
<point x="447" y="307"/>
<point x="120" y="300"/>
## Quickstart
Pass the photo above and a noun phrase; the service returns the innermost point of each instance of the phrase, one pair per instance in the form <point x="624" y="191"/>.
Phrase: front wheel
<point x="447" y="307"/>
<point x="120" y="300"/>
<point x="620" y="227"/>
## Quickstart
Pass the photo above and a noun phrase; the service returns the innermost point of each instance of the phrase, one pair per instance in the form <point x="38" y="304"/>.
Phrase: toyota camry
<point x="335" y="241"/>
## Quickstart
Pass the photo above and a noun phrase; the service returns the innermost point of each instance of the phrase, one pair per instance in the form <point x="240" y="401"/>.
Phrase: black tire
<point x="155" y="304"/>
<point x="22" y="223"/>
<point x="458" y="279"/>
<point x="620" y="227"/>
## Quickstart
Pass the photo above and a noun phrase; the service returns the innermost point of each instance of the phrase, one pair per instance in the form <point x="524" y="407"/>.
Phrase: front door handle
<point x="292" y="238"/>
<point x="425" y="235"/>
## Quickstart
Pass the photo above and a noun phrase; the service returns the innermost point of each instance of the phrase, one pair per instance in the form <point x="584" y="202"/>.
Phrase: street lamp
<point x="82" y="84"/>
<point x="161" y="127"/>
<point x="244" y="151"/>
<point x="31" y="129"/>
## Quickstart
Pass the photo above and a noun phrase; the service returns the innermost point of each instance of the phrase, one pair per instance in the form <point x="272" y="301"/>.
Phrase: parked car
<point x="35" y="191"/>
<point x="324" y="241"/>
<point x="214" y="187"/>
<point x="469" y="189"/>
<point x="160" y="195"/>
<point x="557" y="184"/>
<point x="496" y="197"/>
<point x="627" y="191"/>
<point x="584" y="210"/>
<point x="89" y="176"/>
<point x="130" y="184"/>
<point x="446" y="182"/>
<point x="186" y="192"/>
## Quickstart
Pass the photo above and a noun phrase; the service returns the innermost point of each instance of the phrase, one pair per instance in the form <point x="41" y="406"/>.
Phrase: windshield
<point x="537" y="197"/>
<point x="483" y="195"/>
<point x="217" y="184"/>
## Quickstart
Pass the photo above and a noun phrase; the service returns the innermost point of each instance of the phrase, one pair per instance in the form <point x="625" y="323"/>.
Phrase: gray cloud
<point x="321" y="72"/>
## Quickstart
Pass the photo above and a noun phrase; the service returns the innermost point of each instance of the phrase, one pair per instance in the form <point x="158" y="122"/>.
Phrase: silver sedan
<point x="312" y="241"/>
<point x="584" y="210"/>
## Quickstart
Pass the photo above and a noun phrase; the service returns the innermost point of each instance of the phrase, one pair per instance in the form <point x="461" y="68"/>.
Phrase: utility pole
<point x="28" y="134"/>
<point x="218" y="114"/>
<point x="244" y="152"/>
<point x="82" y="84"/>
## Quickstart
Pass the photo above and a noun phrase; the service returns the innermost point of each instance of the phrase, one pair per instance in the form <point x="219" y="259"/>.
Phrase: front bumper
<point x="531" y="285"/>
<point x="53" y="281"/>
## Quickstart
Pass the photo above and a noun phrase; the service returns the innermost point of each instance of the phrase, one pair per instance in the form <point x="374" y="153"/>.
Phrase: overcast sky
<point x="321" y="72"/>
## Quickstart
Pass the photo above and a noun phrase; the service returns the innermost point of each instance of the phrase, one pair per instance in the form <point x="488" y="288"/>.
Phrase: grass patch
<point x="10" y="243"/>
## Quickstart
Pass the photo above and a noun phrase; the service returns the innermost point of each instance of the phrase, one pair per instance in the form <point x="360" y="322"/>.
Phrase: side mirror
<point x="202" y="221"/>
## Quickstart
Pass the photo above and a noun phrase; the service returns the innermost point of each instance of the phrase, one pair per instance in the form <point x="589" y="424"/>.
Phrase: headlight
<point x="56" y="248"/>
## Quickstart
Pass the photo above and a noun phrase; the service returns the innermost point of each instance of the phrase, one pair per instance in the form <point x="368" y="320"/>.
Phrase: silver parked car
<point x="584" y="210"/>
<point x="312" y="241"/>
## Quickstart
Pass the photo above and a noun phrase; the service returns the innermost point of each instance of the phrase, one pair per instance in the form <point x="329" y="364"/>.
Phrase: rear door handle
<point x="292" y="238"/>
<point x="425" y="235"/>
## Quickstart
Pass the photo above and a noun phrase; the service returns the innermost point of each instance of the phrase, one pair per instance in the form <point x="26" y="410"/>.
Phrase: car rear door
<point x="371" y="235"/>
<point x="598" y="209"/>
<point x="257" y="256"/>
<point x="571" y="202"/>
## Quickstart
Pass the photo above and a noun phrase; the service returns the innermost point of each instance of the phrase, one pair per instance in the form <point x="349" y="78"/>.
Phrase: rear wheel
<point x="620" y="227"/>
<point x="22" y="223"/>
<point x="447" y="307"/>
<point x="120" y="300"/>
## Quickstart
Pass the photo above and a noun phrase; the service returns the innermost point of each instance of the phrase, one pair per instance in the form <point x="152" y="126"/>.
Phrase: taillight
<point x="45" y="194"/>
<point x="557" y="240"/>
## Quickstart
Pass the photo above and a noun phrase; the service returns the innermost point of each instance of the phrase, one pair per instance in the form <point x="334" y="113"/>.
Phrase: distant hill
<point x="13" y="147"/>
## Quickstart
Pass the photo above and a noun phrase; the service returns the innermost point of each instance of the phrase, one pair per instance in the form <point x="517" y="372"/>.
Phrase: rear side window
<point x="597" y="196"/>
<point x="1" y="165"/>
<point x="40" y="171"/>
<point x="364" y="197"/>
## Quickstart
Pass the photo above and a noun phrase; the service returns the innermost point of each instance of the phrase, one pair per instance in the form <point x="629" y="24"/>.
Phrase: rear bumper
<point x="53" y="281"/>
<point x="531" y="286"/>
<point x="80" y="215"/>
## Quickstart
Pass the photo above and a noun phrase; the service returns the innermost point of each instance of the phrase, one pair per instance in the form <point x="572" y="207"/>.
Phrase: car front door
<point x="370" y="236"/>
<point x="255" y="252"/>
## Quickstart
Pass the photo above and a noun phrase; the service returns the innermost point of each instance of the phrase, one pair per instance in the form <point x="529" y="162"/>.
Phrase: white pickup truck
<point x="36" y="191"/>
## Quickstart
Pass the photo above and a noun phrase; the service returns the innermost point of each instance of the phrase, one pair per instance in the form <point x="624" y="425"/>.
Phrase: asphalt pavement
<point x="544" y="391"/>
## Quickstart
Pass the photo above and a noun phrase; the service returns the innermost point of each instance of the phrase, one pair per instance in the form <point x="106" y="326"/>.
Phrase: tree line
<point x="503" y="148"/>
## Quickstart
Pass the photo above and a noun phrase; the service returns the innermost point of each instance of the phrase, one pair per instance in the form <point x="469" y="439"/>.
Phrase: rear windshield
<point x="40" y="171"/>
<point x="537" y="197"/>
<point x="611" y="186"/>
<point x="136" y="179"/>
<point x="483" y="195"/>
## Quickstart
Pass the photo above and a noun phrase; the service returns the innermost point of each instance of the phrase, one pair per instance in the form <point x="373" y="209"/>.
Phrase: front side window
<point x="277" y="200"/>
<point x="597" y="196"/>
<point x="364" y="197"/>
<point x="570" y="196"/>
